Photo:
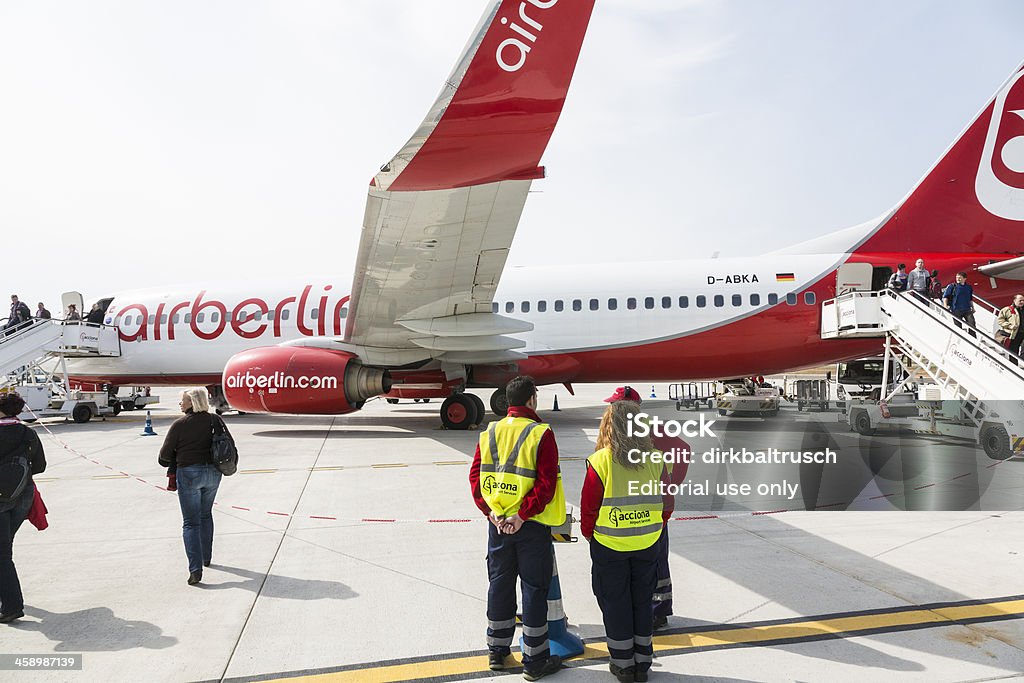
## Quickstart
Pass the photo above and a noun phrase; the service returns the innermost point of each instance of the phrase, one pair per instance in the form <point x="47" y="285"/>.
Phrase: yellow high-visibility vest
<point x="627" y="520"/>
<point x="508" y="468"/>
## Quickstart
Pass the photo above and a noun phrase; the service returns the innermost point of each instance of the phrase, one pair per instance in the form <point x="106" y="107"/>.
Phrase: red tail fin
<point x="972" y="200"/>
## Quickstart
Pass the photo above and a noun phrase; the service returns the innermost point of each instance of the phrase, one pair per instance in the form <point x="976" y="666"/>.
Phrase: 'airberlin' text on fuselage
<point x="208" y="318"/>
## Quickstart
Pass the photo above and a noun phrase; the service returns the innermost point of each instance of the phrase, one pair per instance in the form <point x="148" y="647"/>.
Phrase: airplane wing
<point x="441" y="215"/>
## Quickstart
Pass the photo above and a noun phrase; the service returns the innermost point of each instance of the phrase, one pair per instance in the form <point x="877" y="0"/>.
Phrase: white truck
<point x="748" y="397"/>
<point x="862" y="379"/>
<point x="48" y="400"/>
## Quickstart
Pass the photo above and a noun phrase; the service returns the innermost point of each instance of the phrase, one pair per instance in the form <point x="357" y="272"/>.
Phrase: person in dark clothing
<point x="20" y="314"/>
<point x="959" y="298"/>
<point x="95" y="316"/>
<point x="186" y="455"/>
<point x="42" y="313"/>
<point x="15" y="438"/>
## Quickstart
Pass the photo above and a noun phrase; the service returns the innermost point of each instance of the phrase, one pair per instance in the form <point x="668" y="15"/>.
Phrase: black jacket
<point x="188" y="441"/>
<point x="11" y="437"/>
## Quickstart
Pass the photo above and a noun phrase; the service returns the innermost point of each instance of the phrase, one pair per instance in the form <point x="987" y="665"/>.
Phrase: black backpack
<point x="15" y="471"/>
<point x="223" y="453"/>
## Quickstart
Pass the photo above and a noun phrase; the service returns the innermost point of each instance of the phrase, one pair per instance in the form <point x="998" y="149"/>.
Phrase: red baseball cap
<point x="624" y="394"/>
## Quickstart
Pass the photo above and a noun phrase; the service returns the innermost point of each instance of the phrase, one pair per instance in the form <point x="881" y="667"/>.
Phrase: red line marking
<point x="684" y="519"/>
<point x="923" y="486"/>
<point x="965" y="474"/>
<point x="282" y="514"/>
<point x="830" y="505"/>
<point x="320" y="517"/>
<point x="768" y="512"/>
<point x="142" y="480"/>
<point x="366" y="519"/>
<point x="124" y="473"/>
<point x="448" y="521"/>
<point x="887" y="495"/>
<point x="236" y="507"/>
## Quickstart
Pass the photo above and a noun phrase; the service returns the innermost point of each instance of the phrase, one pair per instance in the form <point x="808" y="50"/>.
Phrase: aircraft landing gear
<point x="461" y="411"/>
<point x="499" y="402"/>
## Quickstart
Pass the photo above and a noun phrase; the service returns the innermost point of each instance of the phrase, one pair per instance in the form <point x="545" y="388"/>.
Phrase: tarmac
<point x="348" y="549"/>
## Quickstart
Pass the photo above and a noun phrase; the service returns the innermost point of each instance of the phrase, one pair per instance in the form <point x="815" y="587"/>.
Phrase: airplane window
<point x="509" y="307"/>
<point x="315" y="313"/>
<point x="163" y="318"/>
<point x="285" y="314"/>
<point x="542" y="306"/>
<point x="649" y="302"/>
<point x="791" y="299"/>
<point x="201" y="317"/>
<point x="525" y="307"/>
<point x="594" y="304"/>
<point x="188" y="318"/>
<point x="577" y="305"/>
<point x="344" y="313"/>
<point x="631" y="303"/>
<point x="270" y="315"/>
<point x="719" y="300"/>
<point x="494" y="307"/>
<point x="612" y="304"/>
<point x="666" y="302"/>
<point x="737" y="300"/>
<point x="809" y="298"/>
<point x="755" y="299"/>
<point x="702" y="301"/>
<point x="151" y="318"/>
<point x="559" y="306"/>
<point x="174" y="319"/>
<point x="773" y="299"/>
<point x="258" y="315"/>
<point x="214" y="317"/>
<point x="684" y="302"/>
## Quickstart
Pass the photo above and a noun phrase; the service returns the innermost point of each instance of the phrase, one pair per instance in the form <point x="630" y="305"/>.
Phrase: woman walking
<point x="623" y="527"/>
<point x="16" y="440"/>
<point x="186" y="455"/>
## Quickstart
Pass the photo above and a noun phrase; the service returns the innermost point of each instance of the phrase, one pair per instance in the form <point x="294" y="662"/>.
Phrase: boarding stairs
<point x="966" y="363"/>
<point x="37" y="340"/>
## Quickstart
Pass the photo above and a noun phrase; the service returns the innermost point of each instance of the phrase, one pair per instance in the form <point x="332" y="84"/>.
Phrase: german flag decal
<point x="785" y="277"/>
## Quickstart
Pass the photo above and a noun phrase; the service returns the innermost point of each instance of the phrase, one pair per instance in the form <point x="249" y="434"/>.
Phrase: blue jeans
<point x="197" y="488"/>
<point x="10" y="520"/>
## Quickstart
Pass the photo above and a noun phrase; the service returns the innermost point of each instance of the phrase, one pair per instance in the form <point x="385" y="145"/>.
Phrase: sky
<point x="153" y="144"/>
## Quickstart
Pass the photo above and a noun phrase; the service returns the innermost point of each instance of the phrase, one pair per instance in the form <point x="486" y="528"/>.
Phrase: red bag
<point x="37" y="513"/>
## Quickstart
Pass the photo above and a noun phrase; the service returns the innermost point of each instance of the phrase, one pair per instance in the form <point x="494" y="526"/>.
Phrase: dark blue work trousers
<point x="528" y="556"/>
<point x="662" y="601"/>
<point x="624" y="584"/>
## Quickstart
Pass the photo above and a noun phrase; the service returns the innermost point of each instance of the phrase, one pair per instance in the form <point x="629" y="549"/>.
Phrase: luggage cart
<point x="812" y="393"/>
<point x="690" y="395"/>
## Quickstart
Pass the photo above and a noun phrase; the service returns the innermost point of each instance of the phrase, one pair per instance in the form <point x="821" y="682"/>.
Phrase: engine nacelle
<point x="300" y="380"/>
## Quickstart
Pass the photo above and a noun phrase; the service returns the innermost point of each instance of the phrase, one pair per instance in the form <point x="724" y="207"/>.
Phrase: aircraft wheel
<point x="499" y="402"/>
<point x="117" y="408"/>
<point x="996" y="442"/>
<point x="81" y="414"/>
<point x="481" y="410"/>
<point x="722" y="412"/>
<point x="459" y="412"/>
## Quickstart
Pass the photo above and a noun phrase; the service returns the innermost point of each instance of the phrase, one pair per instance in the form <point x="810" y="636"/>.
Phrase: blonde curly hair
<point x="614" y="434"/>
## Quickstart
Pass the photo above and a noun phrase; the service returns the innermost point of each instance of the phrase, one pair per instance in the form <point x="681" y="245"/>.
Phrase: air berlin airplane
<point x="430" y="308"/>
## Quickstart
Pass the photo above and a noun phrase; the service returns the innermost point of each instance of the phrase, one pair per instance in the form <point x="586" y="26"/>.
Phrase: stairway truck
<point x="862" y="379"/>
<point x="1000" y="436"/>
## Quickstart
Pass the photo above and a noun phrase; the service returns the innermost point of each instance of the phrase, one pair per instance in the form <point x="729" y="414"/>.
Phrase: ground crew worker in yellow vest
<point x="622" y="514"/>
<point x="516" y="482"/>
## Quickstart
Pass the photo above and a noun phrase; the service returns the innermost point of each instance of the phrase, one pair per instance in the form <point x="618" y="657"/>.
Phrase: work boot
<point x="539" y="670"/>
<point x="640" y="676"/>
<point x="8" y="617"/>
<point x="625" y="674"/>
<point x="496" y="660"/>
<point x="660" y="622"/>
<point x="195" y="577"/>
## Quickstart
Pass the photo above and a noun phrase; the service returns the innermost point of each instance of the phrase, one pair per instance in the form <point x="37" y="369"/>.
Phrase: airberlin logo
<point x="279" y="380"/>
<point x="1000" y="181"/>
<point x="512" y="52"/>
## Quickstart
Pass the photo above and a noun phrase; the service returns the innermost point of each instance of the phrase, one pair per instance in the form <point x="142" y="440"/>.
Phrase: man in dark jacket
<point x="19" y="313"/>
<point x="15" y="439"/>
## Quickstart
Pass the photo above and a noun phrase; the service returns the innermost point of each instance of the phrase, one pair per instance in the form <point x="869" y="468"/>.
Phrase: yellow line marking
<point x="256" y="471"/>
<point x="110" y="476"/>
<point x="382" y="465"/>
<point x="451" y="462"/>
<point x="849" y="625"/>
<point x="327" y="469"/>
<point x="37" y="479"/>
